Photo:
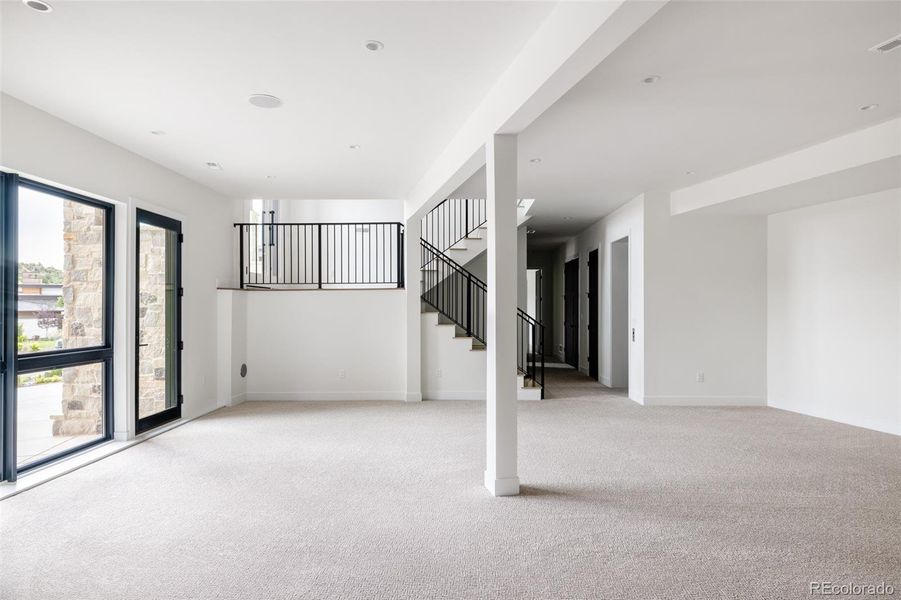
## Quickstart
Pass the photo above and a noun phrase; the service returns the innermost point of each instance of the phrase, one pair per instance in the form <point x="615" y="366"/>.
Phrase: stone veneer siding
<point x="83" y="266"/>
<point x="152" y="298"/>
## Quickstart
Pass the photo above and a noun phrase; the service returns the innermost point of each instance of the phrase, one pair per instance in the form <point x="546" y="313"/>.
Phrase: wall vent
<point x="888" y="45"/>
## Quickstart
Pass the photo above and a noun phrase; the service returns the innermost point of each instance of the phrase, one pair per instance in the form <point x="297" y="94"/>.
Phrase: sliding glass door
<point x="57" y="352"/>
<point x="158" y="336"/>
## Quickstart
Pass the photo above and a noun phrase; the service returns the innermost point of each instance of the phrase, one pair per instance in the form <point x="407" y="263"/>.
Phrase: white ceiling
<point x="122" y="69"/>
<point x="741" y="82"/>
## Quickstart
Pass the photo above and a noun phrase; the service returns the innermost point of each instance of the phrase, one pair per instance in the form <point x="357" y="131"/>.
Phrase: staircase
<point x="454" y="303"/>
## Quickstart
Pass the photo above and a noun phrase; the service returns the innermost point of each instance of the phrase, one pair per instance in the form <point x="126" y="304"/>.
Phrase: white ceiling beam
<point x="571" y="42"/>
<point x="875" y="145"/>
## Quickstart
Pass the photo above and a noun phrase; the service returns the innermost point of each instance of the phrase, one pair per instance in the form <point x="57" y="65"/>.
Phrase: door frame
<point x="593" y="314"/>
<point x="571" y="309"/>
<point x="169" y="414"/>
<point x="622" y="331"/>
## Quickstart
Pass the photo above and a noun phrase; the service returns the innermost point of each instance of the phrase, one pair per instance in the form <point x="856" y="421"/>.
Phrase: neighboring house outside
<point x="36" y="298"/>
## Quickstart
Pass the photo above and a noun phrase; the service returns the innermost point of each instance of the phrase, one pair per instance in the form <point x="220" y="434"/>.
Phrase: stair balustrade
<point x="452" y="221"/>
<point x="321" y="255"/>
<point x="461" y="297"/>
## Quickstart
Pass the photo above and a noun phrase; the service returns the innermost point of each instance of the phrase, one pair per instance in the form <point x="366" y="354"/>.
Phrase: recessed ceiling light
<point x="888" y="45"/>
<point x="689" y="172"/>
<point x="214" y="166"/>
<point x="354" y="146"/>
<point x="869" y="106"/>
<point x="651" y="79"/>
<point x="265" y="101"/>
<point x="38" y="5"/>
<point x="535" y="160"/>
<point x="374" y="45"/>
<point x="270" y="176"/>
<point x="157" y="132"/>
<point x="567" y="218"/>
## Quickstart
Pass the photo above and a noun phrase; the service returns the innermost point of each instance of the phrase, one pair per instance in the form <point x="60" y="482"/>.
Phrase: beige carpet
<point x="384" y="500"/>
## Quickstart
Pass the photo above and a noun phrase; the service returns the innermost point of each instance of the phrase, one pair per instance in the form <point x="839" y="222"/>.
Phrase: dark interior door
<point x="571" y="312"/>
<point x="593" y="314"/>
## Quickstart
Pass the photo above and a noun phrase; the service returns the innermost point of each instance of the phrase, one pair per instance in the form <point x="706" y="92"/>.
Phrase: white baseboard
<point x="506" y="486"/>
<point x="444" y="395"/>
<point x="704" y="401"/>
<point x="238" y="399"/>
<point x="325" y="396"/>
<point x="606" y="381"/>
<point x="880" y="427"/>
<point x="414" y="397"/>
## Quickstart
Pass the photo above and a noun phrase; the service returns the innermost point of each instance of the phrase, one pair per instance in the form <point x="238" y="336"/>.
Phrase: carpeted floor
<point x="384" y="500"/>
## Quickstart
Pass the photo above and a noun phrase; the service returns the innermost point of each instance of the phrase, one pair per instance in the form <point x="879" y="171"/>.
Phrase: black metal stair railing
<point x="321" y="255"/>
<point x="453" y="220"/>
<point x="461" y="297"/>
<point x="453" y="291"/>
<point x="530" y="347"/>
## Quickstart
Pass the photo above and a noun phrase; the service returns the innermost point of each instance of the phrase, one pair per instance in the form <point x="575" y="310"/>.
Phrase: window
<point x="57" y="323"/>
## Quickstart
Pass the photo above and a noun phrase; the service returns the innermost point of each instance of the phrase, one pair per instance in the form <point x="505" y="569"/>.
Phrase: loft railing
<point x="461" y="297"/>
<point x="321" y="255"/>
<point x="453" y="220"/>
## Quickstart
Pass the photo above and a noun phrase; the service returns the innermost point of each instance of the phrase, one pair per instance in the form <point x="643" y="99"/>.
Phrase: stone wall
<point x="152" y="297"/>
<point x="83" y="241"/>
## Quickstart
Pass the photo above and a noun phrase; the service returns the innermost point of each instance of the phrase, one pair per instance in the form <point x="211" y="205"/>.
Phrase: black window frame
<point x="16" y="364"/>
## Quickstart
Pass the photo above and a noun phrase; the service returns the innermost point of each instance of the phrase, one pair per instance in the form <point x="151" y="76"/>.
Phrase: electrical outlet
<point x="700" y="377"/>
<point x="439" y="373"/>
<point x="342" y="374"/>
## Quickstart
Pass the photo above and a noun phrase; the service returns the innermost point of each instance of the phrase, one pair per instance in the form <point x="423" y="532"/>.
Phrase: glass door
<point x="158" y="395"/>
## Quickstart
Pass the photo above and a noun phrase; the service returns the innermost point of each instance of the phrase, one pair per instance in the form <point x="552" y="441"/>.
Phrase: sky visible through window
<point x="40" y="228"/>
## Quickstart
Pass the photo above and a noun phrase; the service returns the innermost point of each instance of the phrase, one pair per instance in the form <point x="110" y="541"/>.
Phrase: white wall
<point x="834" y="305"/>
<point x="450" y="369"/>
<point x="40" y="146"/>
<point x="705" y="307"/>
<point x="299" y="342"/>
<point x="232" y="346"/>
<point x="334" y="211"/>
<point x="628" y="220"/>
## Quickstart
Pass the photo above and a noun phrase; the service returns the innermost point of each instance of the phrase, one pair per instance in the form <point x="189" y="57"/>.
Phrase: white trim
<point x="875" y="427"/>
<point x="414" y="397"/>
<point x="506" y="486"/>
<point x="238" y="399"/>
<point x="446" y="395"/>
<point x="606" y="381"/>
<point x="82" y="459"/>
<point x="324" y="396"/>
<point x="704" y="401"/>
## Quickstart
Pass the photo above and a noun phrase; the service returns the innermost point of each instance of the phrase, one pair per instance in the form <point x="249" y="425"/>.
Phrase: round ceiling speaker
<point x="265" y="101"/>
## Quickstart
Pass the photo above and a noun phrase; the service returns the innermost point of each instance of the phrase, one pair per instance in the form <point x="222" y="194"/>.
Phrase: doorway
<point x="158" y="292"/>
<point x="593" y="314"/>
<point x="621" y="333"/>
<point x="571" y="312"/>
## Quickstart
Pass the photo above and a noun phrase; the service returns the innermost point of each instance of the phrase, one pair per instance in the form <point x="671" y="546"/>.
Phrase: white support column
<point x="501" y="476"/>
<point x="412" y="233"/>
